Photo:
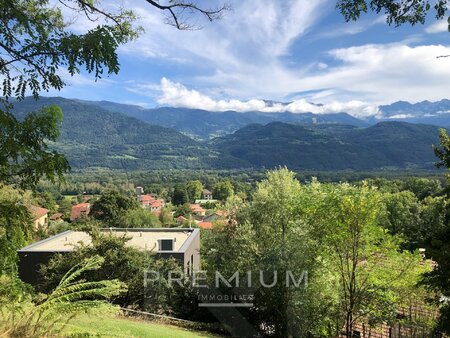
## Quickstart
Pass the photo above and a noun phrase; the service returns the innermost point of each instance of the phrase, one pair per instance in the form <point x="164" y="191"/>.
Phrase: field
<point x="126" y="328"/>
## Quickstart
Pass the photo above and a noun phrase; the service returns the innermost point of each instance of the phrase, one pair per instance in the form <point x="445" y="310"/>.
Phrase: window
<point x="166" y="244"/>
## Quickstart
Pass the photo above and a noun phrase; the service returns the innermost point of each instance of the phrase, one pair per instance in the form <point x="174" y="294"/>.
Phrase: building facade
<point x="182" y="244"/>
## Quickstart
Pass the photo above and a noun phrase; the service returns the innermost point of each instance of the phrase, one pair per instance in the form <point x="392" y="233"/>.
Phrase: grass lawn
<point x="129" y="328"/>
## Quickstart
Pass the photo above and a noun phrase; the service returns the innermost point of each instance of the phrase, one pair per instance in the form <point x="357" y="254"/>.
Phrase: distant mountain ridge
<point x="420" y="108"/>
<point x="435" y="113"/>
<point x="93" y="136"/>
<point x="203" y="125"/>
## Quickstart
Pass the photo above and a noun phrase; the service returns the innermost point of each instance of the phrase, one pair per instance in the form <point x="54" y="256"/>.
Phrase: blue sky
<point x="294" y="50"/>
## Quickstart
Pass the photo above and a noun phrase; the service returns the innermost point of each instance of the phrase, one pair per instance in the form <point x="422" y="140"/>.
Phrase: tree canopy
<point x="24" y="153"/>
<point x="397" y="12"/>
<point x="111" y="207"/>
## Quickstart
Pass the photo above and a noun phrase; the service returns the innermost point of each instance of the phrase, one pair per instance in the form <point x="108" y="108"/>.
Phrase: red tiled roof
<point x="78" y="210"/>
<point x="205" y="225"/>
<point x="197" y="208"/>
<point x="56" y="216"/>
<point x="37" y="212"/>
<point x="181" y="219"/>
<point x="156" y="204"/>
<point x="147" y="199"/>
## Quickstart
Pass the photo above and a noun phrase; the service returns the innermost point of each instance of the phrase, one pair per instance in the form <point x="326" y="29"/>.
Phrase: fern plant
<point x="72" y="296"/>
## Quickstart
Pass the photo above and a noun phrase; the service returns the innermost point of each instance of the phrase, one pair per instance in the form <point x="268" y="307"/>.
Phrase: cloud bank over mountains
<point x="177" y="95"/>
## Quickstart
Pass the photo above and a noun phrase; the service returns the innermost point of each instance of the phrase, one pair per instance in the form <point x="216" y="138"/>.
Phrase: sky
<point x="297" y="51"/>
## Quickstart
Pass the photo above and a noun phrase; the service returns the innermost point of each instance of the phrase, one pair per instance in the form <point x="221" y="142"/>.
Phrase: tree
<point x="437" y="237"/>
<point x="165" y="217"/>
<point x="71" y="296"/>
<point x="139" y="218"/>
<point x="438" y="280"/>
<point x="222" y="190"/>
<point x="442" y="151"/>
<point x="65" y="205"/>
<point x="367" y="258"/>
<point x="397" y="12"/>
<point x="24" y="153"/>
<point x="179" y="195"/>
<point x="183" y="210"/>
<point x="35" y="44"/>
<point x="111" y="206"/>
<point x="286" y="244"/>
<point x="272" y="234"/>
<point x="423" y="187"/>
<point x="194" y="190"/>
<point x="402" y="212"/>
<point x="45" y="199"/>
<point x="413" y="219"/>
<point x="15" y="227"/>
<point x="356" y="270"/>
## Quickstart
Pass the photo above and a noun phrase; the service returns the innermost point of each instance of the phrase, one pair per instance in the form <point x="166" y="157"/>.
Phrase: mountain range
<point x="203" y="125"/>
<point x="118" y="136"/>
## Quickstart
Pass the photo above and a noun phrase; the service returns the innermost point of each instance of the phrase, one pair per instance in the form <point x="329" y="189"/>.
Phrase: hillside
<point x="385" y="145"/>
<point x="94" y="137"/>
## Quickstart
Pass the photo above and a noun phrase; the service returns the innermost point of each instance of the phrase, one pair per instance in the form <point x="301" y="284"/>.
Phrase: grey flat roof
<point x="144" y="239"/>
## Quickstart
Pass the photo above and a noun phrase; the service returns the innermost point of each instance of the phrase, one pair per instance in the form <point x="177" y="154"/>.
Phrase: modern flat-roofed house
<point x="180" y="243"/>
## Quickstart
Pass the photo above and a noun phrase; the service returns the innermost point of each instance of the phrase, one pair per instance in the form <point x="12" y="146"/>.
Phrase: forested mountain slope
<point x="94" y="137"/>
<point x="385" y="145"/>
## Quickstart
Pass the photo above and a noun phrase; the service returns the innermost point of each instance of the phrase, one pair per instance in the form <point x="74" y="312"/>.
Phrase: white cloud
<point x="254" y="30"/>
<point x="247" y="55"/>
<point x="350" y="28"/>
<point x="401" y="116"/>
<point x="177" y="95"/>
<point x="247" y="42"/>
<point x="437" y="27"/>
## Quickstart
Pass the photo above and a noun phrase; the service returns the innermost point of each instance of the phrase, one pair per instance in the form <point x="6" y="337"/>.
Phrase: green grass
<point x="127" y="328"/>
